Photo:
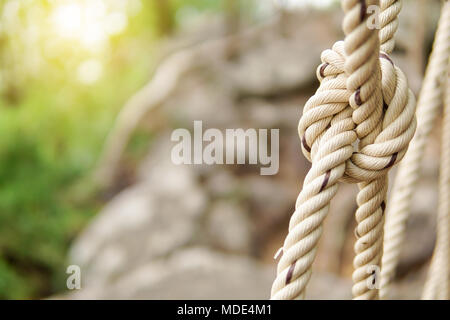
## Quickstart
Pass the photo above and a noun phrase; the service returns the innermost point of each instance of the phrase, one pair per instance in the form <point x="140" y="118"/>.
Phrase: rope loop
<point x="355" y="127"/>
<point x="397" y="121"/>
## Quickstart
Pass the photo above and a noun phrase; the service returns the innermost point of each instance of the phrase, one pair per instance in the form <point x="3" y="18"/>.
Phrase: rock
<point x="146" y="221"/>
<point x="229" y="227"/>
<point x="221" y="184"/>
<point x="199" y="273"/>
<point x="101" y="250"/>
<point x="265" y="114"/>
<point x="410" y="286"/>
<point x="420" y="229"/>
<point x="200" y="99"/>
<point x="267" y="196"/>
<point x="195" y="273"/>
<point x="335" y="252"/>
<point x="327" y="286"/>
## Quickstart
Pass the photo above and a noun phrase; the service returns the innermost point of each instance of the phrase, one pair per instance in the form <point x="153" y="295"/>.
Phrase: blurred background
<point x="90" y="91"/>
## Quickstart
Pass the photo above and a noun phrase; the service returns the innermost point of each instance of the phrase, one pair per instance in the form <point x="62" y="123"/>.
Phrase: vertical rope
<point x="359" y="97"/>
<point x="430" y="99"/>
<point x="390" y="9"/>
<point x="326" y="128"/>
<point x="364" y="77"/>
<point x="437" y="284"/>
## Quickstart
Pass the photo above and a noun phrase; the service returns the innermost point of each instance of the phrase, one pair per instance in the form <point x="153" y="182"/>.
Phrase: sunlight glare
<point x="89" y="71"/>
<point x="294" y="4"/>
<point x="96" y="39"/>
<point x="116" y="22"/>
<point x="89" y="22"/>
<point x="67" y="20"/>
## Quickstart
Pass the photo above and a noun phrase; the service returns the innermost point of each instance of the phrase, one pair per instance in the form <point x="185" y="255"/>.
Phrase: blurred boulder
<point x="145" y="221"/>
<point x="199" y="273"/>
<point x="229" y="227"/>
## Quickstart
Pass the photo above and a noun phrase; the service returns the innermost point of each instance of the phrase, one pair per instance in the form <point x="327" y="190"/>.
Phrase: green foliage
<point x="52" y="133"/>
<point x="52" y="129"/>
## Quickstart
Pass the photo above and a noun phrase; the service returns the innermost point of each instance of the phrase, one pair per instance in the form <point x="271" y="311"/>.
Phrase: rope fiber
<point x="428" y="108"/>
<point x="355" y="127"/>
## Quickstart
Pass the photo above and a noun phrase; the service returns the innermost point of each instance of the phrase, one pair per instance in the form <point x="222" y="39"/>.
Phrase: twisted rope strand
<point x="364" y="76"/>
<point x="437" y="284"/>
<point x="384" y="134"/>
<point x="327" y="134"/>
<point x="430" y="99"/>
<point x="390" y="9"/>
<point x="361" y="98"/>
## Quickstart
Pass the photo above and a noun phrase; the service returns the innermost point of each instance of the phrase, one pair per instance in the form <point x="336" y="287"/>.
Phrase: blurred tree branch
<point x="157" y="90"/>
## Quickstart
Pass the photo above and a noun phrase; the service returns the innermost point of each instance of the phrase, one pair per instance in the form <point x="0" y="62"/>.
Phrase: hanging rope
<point x="428" y="105"/>
<point x="437" y="284"/>
<point x="362" y="95"/>
<point x="327" y="127"/>
<point x="390" y="9"/>
<point x="363" y="67"/>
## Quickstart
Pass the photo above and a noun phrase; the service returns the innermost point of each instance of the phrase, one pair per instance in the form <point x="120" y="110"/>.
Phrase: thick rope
<point x="363" y="67"/>
<point x="357" y="98"/>
<point x="397" y="126"/>
<point x="390" y="9"/>
<point x="327" y="110"/>
<point x="437" y="284"/>
<point x="429" y="102"/>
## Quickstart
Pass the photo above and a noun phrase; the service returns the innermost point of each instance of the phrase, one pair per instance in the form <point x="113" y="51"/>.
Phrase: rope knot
<point x="382" y="127"/>
<point x="354" y="128"/>
<point x="392" y="133"/>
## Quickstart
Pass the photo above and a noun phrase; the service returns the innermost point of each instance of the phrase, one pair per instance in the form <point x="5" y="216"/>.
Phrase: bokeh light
<point x="89" y="71"/>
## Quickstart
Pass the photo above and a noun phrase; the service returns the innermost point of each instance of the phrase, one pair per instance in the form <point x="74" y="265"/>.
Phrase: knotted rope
<point x="428" y="107"/>
<point x="362" y="95"/>
<point x="330" y="133"/>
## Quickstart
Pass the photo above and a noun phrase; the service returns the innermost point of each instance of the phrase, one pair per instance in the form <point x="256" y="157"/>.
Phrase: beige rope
<point x="390" y="9"/>
<point x="327" y="127"/>
<point x="429" y="101"/>
<point x="348" y="105"/>
<point x="437" y="284"/>
<point x="387" y="147"/>
<point x="362" y="65"/>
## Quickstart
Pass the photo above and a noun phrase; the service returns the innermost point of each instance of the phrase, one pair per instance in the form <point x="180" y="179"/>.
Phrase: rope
<point x="429" y="102"/>
<point x="363" y="95"/>
<point x="390" y="9"/>
<point x="397" y="124"/>
<point x="363" y="66"/>
<point x="327" y="127"/>
<point x="437" y="284"/>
